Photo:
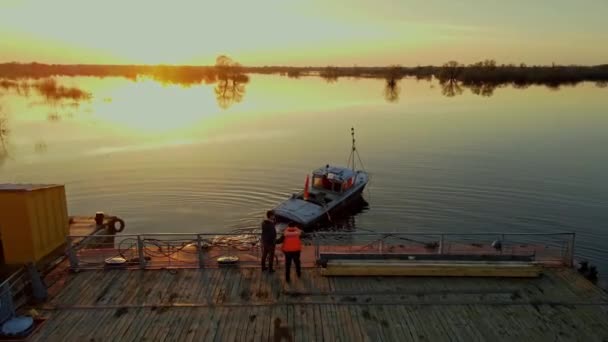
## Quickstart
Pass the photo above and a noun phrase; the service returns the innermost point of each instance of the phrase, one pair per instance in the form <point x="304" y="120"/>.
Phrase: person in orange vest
<point x="292" y="246"/>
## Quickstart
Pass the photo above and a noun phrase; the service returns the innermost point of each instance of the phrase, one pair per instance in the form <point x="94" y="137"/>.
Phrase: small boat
<point x="332" y="188"/>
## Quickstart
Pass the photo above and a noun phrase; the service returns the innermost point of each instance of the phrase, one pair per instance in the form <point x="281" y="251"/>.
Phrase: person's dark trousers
<point x="289" y="256"/>
<point x="267" y="253"/>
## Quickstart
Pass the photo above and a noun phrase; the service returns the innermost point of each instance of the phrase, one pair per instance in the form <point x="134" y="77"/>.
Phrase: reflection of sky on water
<point x="166" y="157"/>
<point x="75" y="115"/>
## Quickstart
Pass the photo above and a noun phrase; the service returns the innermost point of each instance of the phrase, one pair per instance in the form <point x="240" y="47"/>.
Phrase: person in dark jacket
<point x="269" y="236"/>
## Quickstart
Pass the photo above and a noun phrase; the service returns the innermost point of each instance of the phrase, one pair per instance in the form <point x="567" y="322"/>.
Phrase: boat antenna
<point x="354" y="153"/>
<point x="351" y="157"/>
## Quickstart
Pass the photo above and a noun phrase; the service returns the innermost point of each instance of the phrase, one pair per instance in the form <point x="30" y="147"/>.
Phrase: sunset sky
<point x="304" y="32"/>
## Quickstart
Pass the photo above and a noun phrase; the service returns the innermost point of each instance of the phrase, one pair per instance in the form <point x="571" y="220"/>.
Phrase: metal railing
<point x="203" y="250"/>
<point x="11" y="294"/>
<point x="161" y="250"/>
<point x="544" y="247"/>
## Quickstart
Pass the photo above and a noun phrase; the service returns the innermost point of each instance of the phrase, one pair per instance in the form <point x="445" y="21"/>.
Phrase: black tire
<point x="121" y="225"/>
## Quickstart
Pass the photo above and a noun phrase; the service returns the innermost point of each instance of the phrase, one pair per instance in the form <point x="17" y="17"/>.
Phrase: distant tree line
<point x="487" y="71"/>
<point x="521" y="75"/>
<point x="4" y="131"/>
<point x="230" y="77"/>
<point x="484" y="71"/>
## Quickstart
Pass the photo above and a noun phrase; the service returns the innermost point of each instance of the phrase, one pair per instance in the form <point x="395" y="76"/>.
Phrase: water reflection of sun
<point x="148" y="107"/>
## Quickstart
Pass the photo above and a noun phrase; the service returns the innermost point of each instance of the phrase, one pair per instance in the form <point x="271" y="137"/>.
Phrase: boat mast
<point x="354" y="153"/>
<point x="351" y="159"/>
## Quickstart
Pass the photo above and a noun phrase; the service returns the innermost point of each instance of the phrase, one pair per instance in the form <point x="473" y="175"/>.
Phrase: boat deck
<point x="241" y="304"/>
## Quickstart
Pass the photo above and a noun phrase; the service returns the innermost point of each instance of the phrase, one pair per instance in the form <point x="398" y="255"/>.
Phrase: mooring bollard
<point x="99" y="216"/>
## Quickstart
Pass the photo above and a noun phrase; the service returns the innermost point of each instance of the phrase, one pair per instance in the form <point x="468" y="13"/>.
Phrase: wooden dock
<point x="172" y="299"/>
<point x="85" y="226"/>
<point x="241" y="304"/>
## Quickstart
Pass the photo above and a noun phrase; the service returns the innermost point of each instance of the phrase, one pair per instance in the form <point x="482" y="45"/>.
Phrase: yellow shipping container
<point x="33" y="221"/>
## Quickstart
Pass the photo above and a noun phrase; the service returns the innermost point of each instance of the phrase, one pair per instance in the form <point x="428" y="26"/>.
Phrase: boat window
<point x="326" y="184"/>
<point x="322" y="182"/>
<point x="317" y="181"/>
<point x="348" y="184"/>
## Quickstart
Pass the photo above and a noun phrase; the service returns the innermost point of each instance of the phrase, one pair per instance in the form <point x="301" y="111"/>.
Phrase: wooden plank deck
<point x="241" y="304"/>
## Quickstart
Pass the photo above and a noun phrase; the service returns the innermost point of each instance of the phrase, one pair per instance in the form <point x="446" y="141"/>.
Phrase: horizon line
<point x="308" y="66"/>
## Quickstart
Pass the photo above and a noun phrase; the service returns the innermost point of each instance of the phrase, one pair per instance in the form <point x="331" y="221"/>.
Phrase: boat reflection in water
<point x="344" y="220"/>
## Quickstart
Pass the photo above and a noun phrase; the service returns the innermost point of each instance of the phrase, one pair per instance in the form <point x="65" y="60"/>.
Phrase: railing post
<point x="503" y="244"/>
<point x="441" y="242"/>
<point x="39" y="290"/>
<point x="381" y="245"/>
<point x="71" y="254"/>
<point x="201" y="257"/>
<point x="7" y="307"/>
<point x="315" y="238"/>
<point x="140" y="252"/>
<point x="571" y="256"/>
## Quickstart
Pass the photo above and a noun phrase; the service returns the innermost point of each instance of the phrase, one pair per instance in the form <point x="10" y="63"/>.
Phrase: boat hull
<point x="309" y="217"/>
<point x="341" y="207"/>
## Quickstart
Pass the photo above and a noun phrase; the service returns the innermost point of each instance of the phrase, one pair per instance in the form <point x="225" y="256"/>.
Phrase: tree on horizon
<point x="4" y="131"/>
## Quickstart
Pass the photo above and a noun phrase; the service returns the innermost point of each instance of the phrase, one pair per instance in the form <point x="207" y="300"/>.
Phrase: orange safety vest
<point x="292" y="242"/>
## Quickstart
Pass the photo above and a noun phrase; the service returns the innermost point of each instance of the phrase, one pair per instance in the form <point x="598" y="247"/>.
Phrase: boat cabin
<point x="333" y="179"/>
<point x="329" y="188"/>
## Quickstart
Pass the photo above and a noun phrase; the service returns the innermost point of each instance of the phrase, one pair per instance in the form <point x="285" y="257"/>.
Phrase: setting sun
<point x="147" y="107"/>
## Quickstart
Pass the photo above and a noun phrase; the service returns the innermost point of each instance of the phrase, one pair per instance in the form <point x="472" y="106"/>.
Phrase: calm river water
<point x="170" y="158"/>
